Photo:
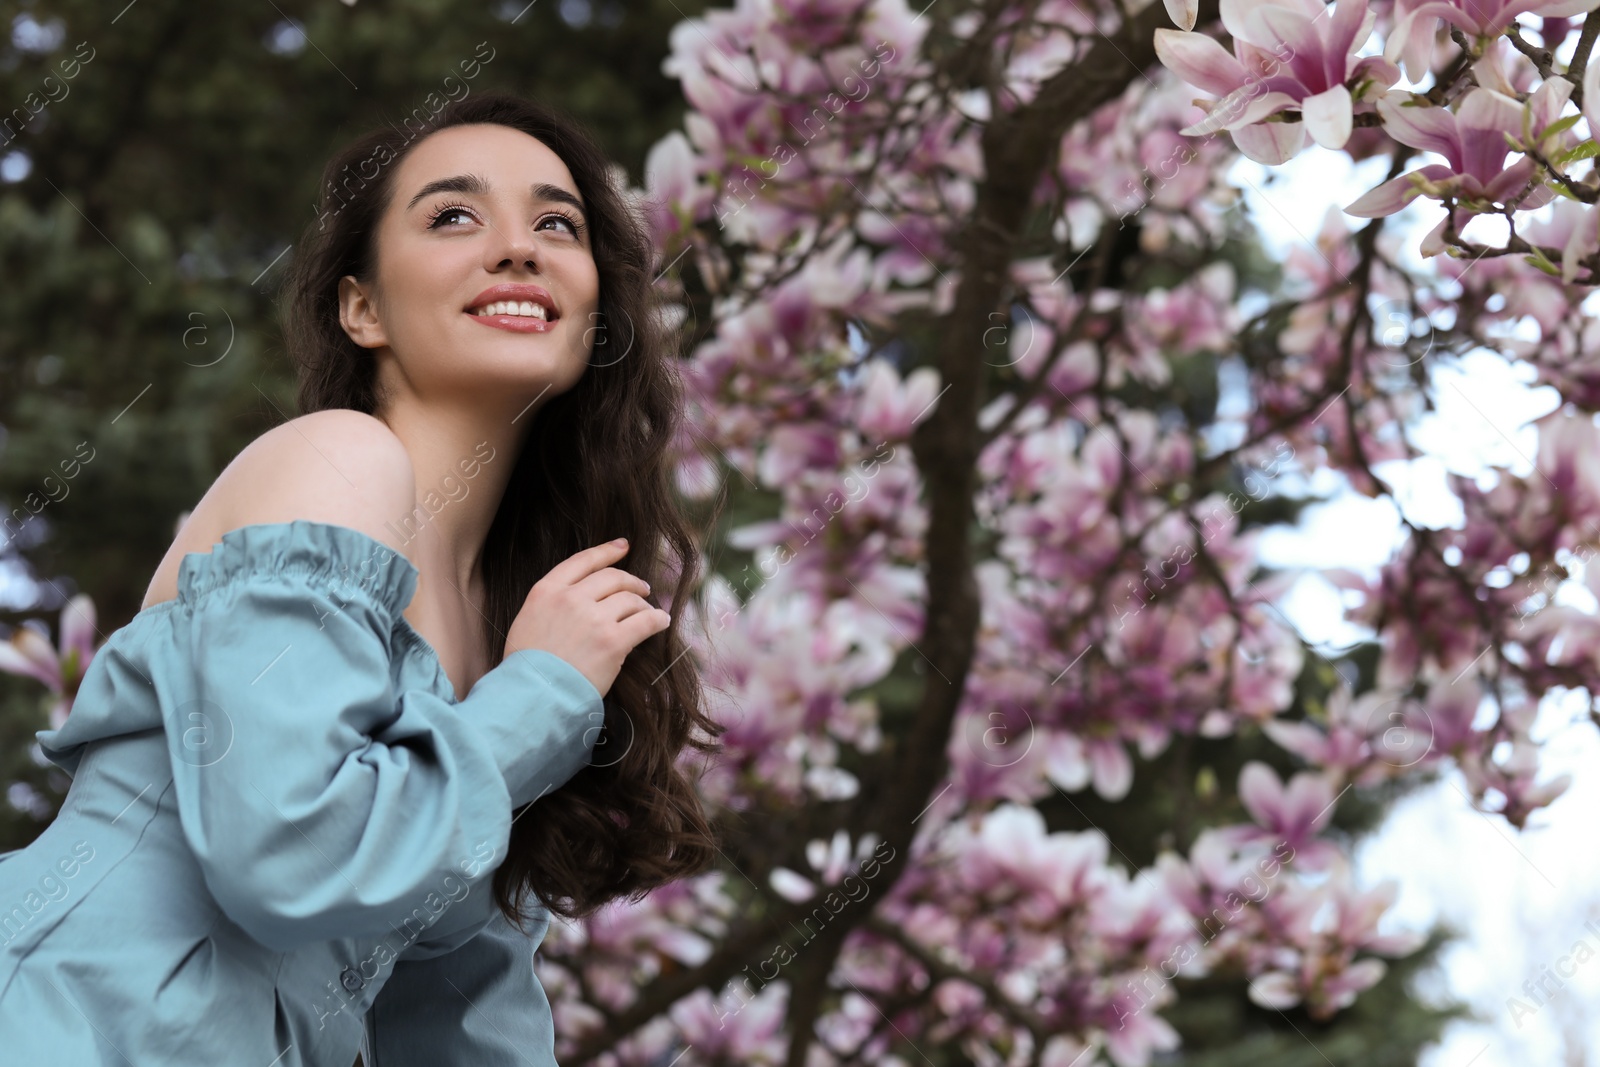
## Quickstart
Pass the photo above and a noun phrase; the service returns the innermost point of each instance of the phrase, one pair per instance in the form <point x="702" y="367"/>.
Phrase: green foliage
<point x="22" y="711"/>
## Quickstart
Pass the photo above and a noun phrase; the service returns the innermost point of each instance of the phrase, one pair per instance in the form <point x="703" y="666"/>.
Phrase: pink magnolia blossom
<point x="1473" y="142"/>
<point x="1120" y="582"/>
<point x="891" y="405"/>
<point x="60" y="669"/>
<point x="1292" y="814"/>
<point x="1378" y="734"/>
<point x="675" y="200"/>
<point x="1288" y="55"/>
<point x="737" y="1027"/>
<point x="1331" y="924"/>
<point x="1344" y="746"/>
<point x="1416" y="24"/>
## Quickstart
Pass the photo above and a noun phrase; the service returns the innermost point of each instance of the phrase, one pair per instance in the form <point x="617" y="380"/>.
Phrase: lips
<point x="519" y="308"/>
<point x="518" y="294"/>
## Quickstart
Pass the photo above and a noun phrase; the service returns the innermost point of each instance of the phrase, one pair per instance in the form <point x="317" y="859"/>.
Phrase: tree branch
<point x="1017" y="147"/>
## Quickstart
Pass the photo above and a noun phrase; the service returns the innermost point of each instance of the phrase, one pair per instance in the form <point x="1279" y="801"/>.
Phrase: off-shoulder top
<point x="278" y="845"/>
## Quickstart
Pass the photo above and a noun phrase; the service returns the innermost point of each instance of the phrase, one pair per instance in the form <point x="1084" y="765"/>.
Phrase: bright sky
<point x="1519" y="901"/>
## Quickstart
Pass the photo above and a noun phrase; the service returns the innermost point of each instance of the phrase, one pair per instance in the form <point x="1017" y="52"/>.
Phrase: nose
<point x="508" y="248"/>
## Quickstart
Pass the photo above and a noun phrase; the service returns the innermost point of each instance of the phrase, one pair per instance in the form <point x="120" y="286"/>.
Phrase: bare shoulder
<point x="336" y="466"/>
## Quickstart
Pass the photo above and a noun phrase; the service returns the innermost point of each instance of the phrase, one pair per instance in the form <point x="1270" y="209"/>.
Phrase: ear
<point x="358" y="314"/>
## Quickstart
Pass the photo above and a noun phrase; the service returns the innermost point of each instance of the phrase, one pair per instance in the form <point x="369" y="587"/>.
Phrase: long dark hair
<point x="594" y="467"/>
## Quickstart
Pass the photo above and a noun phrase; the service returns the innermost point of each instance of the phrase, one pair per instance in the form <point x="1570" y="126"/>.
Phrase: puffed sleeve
<point x="326" y="803"/>
<point x="480" y="1005"/>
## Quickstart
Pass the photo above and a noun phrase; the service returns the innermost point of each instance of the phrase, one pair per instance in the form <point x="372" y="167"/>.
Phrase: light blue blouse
<point x="282" y="827"/>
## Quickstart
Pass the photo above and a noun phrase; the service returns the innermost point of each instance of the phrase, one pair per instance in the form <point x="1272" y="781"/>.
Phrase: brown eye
<point x="445" y="212"/>
<point x="573" y="225"/>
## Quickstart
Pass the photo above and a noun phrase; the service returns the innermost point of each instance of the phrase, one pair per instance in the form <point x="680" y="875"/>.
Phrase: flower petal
<point x="78" y="630"/>
<point x="1327" y="117"/>
<point x="1483" y="20"/>
<point x="1396" y="193"/>
<point x="1242" y="107"/>
<point x="1548" y="100"/>
<point x="1370" y="72"/>
<point x="1591" y="97"/>
<point x="1508" y="183"/>
<point x="1585" y="238"/>
<point x="1481" y="124"/>
<point x="1270" y="143"/>
<point x="789" y="885"/>
<point x="1346" y="36"/>
<point x="1200" y="61"/>
<point x="1433" y="243"/>
<point x="1293" y="32"/>
<point x="1183" y="12"/>
<point x="1303" y="739"/>
<point x="30" y="655"/>
<point x="1275" y="989"/>
<point x="1261" y="793"/>
<point x="1563" y="9"/>
<point x="1432" y="129"/>
<point x="1308" y="802"/>
<point x="1493" y="70"/>
<point x="1411" y="42"/>
<point x="1111" y="768"/>
<point x="1235" y="18"/>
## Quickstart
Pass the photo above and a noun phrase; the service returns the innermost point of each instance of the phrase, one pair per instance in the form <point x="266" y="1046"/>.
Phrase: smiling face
<point x="480" y="217"/>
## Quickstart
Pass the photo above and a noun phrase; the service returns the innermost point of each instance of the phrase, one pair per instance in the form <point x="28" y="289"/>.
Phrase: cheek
<point x="588" y="284"/>
<point x="421" y="296"/>
<point x="581" y="284"/>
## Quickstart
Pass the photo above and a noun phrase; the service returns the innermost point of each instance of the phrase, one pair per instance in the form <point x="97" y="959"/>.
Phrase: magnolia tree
<point x="963" y="303"/>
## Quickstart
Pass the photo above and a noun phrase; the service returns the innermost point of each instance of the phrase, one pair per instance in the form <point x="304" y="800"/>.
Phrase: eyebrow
<point x="476" y="185"/>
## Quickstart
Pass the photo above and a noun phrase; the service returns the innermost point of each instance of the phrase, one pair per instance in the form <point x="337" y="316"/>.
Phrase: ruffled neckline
<point x="350" y="561"/>
<point x="353" y="563"/>
<point x="341" y="555"/>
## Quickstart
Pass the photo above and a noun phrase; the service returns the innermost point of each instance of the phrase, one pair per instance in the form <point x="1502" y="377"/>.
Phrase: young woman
<point x="396" y="695"/>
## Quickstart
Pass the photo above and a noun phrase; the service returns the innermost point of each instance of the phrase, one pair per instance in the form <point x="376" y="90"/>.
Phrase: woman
<point x="358" y="722"/>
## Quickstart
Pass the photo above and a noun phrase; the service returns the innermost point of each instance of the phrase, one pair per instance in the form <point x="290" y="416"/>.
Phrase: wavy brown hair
<point x="594" y="466"/>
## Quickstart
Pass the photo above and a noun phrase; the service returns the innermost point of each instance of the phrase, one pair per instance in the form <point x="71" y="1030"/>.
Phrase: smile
<point x="518" y="307"/>
<point x="516" y="321"/>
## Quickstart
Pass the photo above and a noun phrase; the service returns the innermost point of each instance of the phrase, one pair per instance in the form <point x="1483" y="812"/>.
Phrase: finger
<point x="643" y="624"/>
<point x="604" y="583"/>
<point x="624" y="604"/>
<point x="580" y="565"/>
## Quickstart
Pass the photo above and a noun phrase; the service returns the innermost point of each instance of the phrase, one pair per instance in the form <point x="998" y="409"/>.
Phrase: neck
<point x="462" y="455"/>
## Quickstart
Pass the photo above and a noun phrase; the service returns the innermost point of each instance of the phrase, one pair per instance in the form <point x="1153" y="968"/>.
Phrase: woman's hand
<point x="589" y="613"/>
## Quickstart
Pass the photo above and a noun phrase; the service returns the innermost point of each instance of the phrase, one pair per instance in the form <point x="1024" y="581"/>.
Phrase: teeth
<point x="513" y="307"/>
